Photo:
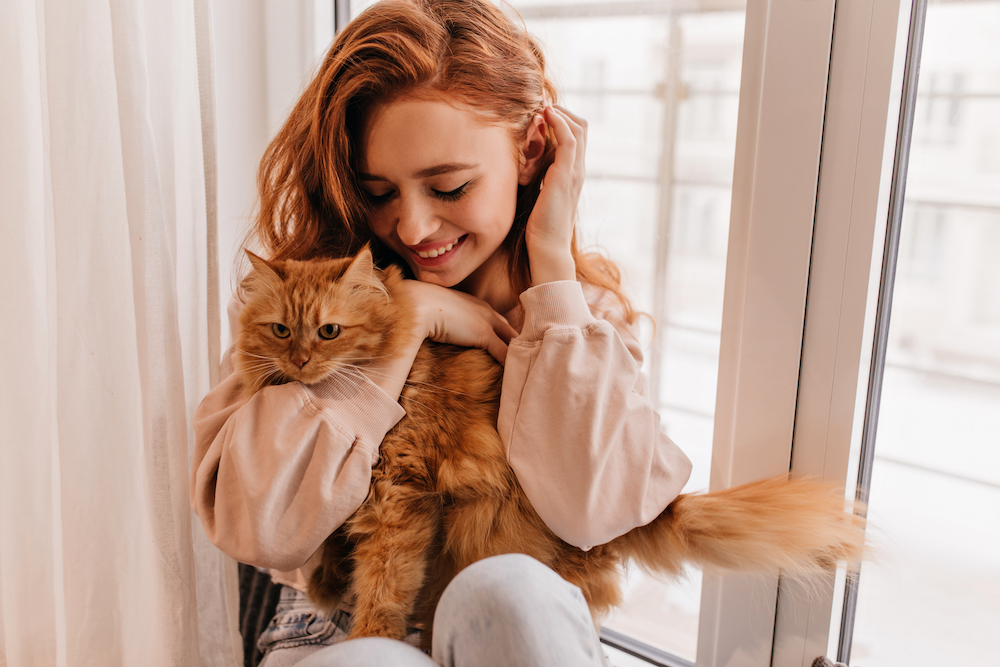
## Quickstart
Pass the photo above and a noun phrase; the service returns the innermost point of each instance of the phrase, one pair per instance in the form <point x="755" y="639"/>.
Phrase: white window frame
<point x="820" y="87"/>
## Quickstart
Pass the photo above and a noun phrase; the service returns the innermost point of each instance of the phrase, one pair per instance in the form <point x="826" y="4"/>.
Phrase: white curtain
<point x="109" y="335"/>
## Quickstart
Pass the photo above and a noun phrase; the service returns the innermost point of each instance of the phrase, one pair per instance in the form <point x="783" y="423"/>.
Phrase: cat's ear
<point x="264" y="268"/>
<point x="362" y="274"/>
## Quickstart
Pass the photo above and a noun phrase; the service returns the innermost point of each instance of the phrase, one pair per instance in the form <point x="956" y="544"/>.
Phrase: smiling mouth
<point x="437" y="252"/>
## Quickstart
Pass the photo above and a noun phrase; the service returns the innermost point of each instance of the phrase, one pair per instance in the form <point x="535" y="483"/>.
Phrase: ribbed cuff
<point x="556" y="304"/>
<point x="360" y="405"/>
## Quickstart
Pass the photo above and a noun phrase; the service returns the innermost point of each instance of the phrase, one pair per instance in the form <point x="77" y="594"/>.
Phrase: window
<point x="935" y="479"/>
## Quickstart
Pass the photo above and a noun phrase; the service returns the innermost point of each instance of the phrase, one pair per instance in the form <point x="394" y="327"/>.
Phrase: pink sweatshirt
<point x="273" y="476"/>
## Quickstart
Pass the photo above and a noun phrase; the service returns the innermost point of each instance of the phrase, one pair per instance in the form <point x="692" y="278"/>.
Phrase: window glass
<point x="932" y="595"/>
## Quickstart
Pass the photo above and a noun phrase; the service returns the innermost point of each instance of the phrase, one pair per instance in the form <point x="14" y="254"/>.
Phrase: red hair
<point x="311" y="203"/>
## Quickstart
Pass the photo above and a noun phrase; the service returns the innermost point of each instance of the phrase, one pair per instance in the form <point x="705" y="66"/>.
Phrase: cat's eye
<point x="329" y="331"/>
<point x="280" y="330"/>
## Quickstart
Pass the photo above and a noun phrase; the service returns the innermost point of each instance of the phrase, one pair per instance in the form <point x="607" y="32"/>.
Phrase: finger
<point x="579" y="128"/>
<point x="582" y="122"/>
<point x="566" y="141"/>
<point x="561" y="123"/>
<point x="503" y="329"/>
<point x="500" y="325"/>
<point x="561" y="126"/>
<point x="577" y="124"/>
<point x="498" y="350"/>
<point x="506" y="332"/>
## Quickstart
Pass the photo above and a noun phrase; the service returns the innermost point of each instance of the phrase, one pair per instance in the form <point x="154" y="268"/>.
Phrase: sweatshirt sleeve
<point x="272" y="477"/>
<point x="580" y="431"/>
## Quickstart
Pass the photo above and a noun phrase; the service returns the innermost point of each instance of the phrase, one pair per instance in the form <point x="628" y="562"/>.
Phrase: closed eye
<point x="377" y="200"/>
<point x="452" y="195"/>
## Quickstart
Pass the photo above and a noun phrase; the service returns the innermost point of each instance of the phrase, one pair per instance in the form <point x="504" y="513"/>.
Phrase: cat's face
<point x="306" y="320"/>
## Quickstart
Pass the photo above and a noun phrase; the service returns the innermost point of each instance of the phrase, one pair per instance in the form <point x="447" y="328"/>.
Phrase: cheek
<point x="495" y="211"/>
<point x="382" y="227"/>
<point x="259" y="341"/>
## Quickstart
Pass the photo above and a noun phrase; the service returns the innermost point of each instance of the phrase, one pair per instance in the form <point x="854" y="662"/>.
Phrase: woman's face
<point x="444" y="188"/>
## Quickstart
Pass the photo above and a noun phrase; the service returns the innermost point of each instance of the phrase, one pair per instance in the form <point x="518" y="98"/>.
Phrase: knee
<point x="513" y="601"/>
<point x="506" y="581"/>
<point x="367" y="652"/>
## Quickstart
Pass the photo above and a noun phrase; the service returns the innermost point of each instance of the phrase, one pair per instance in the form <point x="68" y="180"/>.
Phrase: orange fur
<point x="443" y="495"/>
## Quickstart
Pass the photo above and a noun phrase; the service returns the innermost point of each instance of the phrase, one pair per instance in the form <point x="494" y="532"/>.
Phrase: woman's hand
<point x="446" y="316"/>
<point x="550" y="226"/>
<point x="450" y="316"/>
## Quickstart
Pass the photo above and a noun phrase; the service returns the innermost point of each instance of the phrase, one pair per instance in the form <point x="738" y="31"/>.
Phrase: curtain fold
<point x="110" y="335"/>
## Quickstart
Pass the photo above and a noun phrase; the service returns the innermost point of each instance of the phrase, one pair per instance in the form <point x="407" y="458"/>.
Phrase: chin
<point x="450" y="279"/>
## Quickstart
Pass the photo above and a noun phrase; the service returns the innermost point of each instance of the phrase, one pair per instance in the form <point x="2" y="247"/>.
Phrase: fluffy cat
<point x="443" y="495"/>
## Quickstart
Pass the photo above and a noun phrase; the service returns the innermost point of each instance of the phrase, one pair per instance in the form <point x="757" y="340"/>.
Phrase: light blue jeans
<point x="506" y="610"/>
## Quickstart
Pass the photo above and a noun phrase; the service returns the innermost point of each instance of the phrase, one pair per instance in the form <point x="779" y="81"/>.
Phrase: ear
<point x="532" y="149"/>
<point x="262" y="266"/>
<point x="362" y="275"/>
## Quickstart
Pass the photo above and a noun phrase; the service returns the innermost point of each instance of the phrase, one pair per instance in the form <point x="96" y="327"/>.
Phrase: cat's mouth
<point x="312" y="373"/>
<point x="435" y="256"/>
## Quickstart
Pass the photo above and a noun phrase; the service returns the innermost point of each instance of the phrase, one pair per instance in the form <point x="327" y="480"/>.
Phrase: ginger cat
<point x="443" y="495"/>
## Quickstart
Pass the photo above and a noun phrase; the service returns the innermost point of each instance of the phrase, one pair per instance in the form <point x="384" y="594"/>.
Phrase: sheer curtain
<point x="109" y="334"/>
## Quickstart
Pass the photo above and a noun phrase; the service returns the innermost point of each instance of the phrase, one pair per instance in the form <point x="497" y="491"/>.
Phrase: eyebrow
<point x="436" y="170"/>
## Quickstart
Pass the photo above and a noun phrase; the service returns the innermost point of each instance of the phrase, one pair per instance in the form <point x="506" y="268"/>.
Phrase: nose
<point x="301" y="358"/>
<point x="417" y="220"/>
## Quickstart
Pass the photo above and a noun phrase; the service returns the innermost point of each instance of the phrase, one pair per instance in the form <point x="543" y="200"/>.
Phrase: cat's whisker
<point x="262" y="362"/>
<point x="367" y="359"/>
<point x="251" y="354"/>
<point x="415" y="383"/>
<point x="250" y="368"/>
<point x="426" y="386"/>
<point x="424" y="405"/>
<point x="258" y="372"/>
<point x="339" y="374"/>
<point x="263" y="379"/>
<point x="339" y="378"/>
<point x="268" y="374"/>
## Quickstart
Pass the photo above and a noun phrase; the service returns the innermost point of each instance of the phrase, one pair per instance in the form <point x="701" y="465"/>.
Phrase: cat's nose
<point x="301" y="360"/>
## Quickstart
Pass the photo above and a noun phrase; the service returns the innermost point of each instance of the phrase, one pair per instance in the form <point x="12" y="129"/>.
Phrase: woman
<point x="429" y="132"/>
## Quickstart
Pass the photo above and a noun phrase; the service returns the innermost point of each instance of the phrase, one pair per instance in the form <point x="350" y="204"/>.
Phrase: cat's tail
<point x="799" y="526"/>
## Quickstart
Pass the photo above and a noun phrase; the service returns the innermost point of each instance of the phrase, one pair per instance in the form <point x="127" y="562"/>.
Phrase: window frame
<point x="783" y="90"/>
<point x="794" y="404"/>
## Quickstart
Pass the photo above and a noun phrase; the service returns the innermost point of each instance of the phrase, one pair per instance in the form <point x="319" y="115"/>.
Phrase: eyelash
<point x="451" y="195"/>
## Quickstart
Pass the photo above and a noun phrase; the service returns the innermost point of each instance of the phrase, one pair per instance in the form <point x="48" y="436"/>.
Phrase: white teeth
<point x="436" y="253"/>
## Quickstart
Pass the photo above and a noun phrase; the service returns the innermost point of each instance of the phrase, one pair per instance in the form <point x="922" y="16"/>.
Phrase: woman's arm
<point x="273" y="476"/>
<point x="580" y="431"/>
